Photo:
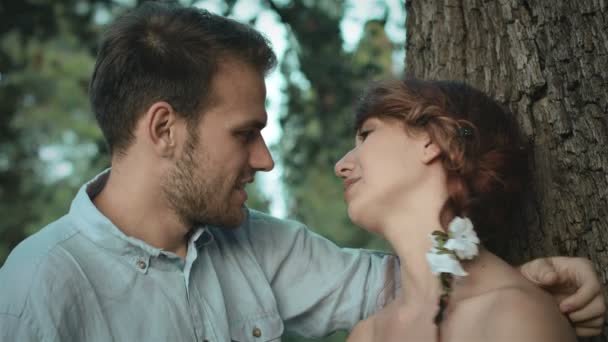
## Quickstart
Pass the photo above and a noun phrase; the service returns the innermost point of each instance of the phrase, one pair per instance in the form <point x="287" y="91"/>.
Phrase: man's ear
<point x="162" y="125"/>
<point x="430" y="151"/>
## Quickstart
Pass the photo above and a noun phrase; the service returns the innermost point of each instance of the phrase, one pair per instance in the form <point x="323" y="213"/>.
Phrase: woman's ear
<point x="430" y="151"/>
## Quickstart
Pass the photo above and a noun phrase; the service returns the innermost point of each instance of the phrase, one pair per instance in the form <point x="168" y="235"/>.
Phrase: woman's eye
<point x="363" y="134"/>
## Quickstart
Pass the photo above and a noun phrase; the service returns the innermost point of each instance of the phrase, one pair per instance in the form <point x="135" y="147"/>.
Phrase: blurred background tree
<point x="317" y="127"/>
<point x="46" y="131"/>
<point x="50" y="143"/>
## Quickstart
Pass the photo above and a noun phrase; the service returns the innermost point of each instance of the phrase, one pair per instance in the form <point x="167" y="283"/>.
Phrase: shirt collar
<point x="99" y="229"/>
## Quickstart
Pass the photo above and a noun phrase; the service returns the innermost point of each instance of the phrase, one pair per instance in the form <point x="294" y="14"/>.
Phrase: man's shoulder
<point x="260" y="223"/>
<point x="261" y="229"/>
<point x="261" y="220"/>
<point x="38" y="246"/>
<point x="263" y="226"/>
<point x="33" y="264"/>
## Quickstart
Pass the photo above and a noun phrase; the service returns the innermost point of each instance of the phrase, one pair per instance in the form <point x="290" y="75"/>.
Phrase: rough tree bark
<point x="547" y="61"/>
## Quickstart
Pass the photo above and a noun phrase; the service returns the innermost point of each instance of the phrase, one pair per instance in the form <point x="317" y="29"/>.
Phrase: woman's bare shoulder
<point x="363" y="331"/>
<point x="522" y="313"/>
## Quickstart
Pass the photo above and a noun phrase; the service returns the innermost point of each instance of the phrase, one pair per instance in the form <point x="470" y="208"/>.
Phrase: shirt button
<point x="141" y="264"/>
<point x="257" y="332"/>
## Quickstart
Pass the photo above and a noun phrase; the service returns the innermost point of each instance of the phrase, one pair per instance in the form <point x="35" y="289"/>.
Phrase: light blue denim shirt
<point x="81" y="279"/>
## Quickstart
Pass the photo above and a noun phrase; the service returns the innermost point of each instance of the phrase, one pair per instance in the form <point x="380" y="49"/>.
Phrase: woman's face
<point x="383" y="172"/>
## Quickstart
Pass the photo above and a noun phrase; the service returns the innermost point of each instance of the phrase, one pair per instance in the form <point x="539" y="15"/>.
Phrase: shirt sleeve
<point x="13" y="328"/>
<point x="319" y="287"/>
<point x="38" y="300"/>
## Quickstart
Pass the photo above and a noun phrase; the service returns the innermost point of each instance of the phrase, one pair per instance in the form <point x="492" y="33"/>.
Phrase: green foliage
<point x="47" y="130"/>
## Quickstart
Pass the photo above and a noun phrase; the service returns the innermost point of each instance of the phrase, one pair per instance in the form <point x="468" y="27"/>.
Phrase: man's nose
<point x="260" y="158"/>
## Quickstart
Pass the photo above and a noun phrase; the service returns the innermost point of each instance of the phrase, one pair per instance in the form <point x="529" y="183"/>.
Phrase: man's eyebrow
<point x="252" y="123"/>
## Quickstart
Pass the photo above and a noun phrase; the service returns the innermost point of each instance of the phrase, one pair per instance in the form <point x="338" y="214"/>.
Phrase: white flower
<point x="463" y="239"/>
<point x="444" y="263"/>
<point x="435" y="240"/>
<point x="460" y="242"/>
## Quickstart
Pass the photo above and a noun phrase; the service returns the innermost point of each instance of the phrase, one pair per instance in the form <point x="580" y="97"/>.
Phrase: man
<point x="161" y="247"/>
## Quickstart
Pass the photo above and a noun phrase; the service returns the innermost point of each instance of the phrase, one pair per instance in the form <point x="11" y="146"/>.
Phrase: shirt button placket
<point x="196" y="318"/>
<point x="200" y="327"/>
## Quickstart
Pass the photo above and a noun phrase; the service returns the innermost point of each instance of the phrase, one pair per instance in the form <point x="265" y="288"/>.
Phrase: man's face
<point x="223" y="152"/>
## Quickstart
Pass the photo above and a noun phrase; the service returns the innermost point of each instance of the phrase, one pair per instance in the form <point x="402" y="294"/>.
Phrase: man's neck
<point x="135" y="205"/>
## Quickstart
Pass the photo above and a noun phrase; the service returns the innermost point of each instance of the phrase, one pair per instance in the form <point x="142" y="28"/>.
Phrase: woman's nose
<point x="344" y="166"/>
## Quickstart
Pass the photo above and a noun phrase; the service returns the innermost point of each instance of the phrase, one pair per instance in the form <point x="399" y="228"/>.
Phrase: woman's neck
<point x="407" y="226"/>
<point x="409" y="236"/>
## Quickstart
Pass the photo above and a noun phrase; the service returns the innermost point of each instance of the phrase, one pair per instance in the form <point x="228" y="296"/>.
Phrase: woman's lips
<point x="348" y="183"/>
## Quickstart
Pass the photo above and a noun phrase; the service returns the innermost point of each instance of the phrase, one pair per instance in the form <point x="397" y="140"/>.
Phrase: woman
<point x="432" y="160"/>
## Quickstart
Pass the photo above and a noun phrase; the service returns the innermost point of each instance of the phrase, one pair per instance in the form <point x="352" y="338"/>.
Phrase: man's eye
<point x="248" y="136"/>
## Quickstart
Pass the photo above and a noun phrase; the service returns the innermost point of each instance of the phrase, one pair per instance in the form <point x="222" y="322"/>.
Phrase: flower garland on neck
<point x="459" y="243"/>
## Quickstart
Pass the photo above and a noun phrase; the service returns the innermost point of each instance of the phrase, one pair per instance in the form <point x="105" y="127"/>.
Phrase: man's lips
<point x="242" y="184"/>
<point x="240" y="188"/>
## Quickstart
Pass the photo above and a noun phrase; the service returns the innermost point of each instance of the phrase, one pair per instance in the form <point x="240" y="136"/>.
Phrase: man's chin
<point x="230" y="219"/>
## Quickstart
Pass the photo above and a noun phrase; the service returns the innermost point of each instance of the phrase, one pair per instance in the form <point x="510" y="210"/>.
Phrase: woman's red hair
<point x="481" y="150"/>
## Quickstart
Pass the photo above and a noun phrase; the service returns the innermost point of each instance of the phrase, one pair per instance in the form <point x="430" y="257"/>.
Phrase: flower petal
<point x="459" y="225"/>
<point x="463" y="239"/>
<point x="444" y="263"/>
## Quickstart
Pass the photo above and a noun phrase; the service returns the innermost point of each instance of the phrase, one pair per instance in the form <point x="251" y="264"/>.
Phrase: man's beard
<point x="198" y="198"/>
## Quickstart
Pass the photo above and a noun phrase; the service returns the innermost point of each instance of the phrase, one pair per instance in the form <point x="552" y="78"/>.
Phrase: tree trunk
<point x="547" y="61"/>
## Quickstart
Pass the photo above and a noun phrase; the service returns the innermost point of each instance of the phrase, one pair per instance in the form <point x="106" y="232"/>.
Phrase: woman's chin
<point x="361" y="218"/>
<point x="352" y="214"/>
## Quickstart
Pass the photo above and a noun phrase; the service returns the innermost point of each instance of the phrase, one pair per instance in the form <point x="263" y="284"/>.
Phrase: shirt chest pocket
<point x="259" y="329"/>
